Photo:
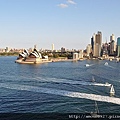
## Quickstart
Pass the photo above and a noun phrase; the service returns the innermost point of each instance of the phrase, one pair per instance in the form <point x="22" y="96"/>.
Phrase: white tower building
<point x="112" y="37"/>
<point x="53" y="47"/>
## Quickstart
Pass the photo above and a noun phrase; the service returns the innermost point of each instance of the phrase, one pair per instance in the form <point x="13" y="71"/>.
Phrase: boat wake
<point x="63" y="81"/>
<point x="107" y="65"/>
<point x="73" y="82"/>
<point x="62" y="93"/>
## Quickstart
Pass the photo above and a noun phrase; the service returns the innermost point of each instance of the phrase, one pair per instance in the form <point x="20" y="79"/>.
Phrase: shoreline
<point x="61" y="60"/>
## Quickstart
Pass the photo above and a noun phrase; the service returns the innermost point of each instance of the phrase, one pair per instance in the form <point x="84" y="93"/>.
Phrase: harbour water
<point x="62" y="87"/>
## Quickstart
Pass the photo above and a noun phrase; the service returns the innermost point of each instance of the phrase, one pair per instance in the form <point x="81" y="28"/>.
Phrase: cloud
<point x="71" y="2"/>
<point x="63" y="5"/>
<point x="68" y="2"/>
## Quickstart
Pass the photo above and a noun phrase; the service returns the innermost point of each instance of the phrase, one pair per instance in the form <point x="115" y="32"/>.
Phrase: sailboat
<point x="106" y="63"/>
<point x="96" y="112"/>
<point x="112" y="91"/>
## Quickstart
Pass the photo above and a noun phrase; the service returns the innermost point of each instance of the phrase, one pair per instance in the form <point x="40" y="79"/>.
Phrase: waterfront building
<point x="97" y="40"/>
<point x="118" y="46"/>
<point x="75" y="56"/>
<point x="63" y="50"/>
<point x="88" y="49"/>
<point x="80" y="54"/>
<point x="112" y="45"/>
<point x="2" y="50"/>
<point x="7" y="49"/>
<point x="105" y="50"/>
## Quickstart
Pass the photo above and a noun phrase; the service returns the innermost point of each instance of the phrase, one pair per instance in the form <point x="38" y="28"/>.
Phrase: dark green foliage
<point x="9" y="54"/>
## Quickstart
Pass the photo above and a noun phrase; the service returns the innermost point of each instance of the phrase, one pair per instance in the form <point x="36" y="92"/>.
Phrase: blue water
<point x="20" y="82"/>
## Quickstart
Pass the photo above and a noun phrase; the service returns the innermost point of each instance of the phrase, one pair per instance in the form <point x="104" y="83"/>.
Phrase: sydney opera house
<point x="31" y="58"/>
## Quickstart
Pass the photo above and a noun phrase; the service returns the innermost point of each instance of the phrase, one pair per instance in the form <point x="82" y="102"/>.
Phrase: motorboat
<point x="101" y="84"/>
<point x="107" y="84"/>
<point x="87" y="65"/>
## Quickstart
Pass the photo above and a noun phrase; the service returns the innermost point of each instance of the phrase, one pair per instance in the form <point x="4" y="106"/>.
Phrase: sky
<point x="64" y="23"/>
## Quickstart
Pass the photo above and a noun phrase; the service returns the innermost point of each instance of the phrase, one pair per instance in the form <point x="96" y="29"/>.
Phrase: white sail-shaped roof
<point x="23" y="55"/>
<point x="26" y="51"/>
<point x="34" y="54"/>
<point x="40" y="55"/>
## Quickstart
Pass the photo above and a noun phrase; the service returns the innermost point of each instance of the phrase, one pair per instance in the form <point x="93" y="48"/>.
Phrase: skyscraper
<point x="88" y="49"/>
<point x="92" y="43"/>
<point x="97" y="44"/>
<point x="112" y="45"/>
<point x="118" y="46"/>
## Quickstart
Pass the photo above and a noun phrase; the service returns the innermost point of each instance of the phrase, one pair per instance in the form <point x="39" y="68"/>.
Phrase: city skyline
<point x="66" y="23"/>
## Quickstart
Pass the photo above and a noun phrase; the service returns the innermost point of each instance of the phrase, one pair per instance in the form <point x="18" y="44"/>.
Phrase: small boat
<point x="107" y="84"/>
<point x="112" y="91"/>
<point x="106" y="63"/>
<point x="87" y="65"/>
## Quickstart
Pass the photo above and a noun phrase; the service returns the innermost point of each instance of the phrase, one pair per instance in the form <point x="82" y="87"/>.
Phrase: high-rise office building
<point x="92" y="42"/>
<point x="112" y="45"/>
<point x="88" y="49"/>
<point x="97" y="38"/>
<point x="118" y="46"/>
